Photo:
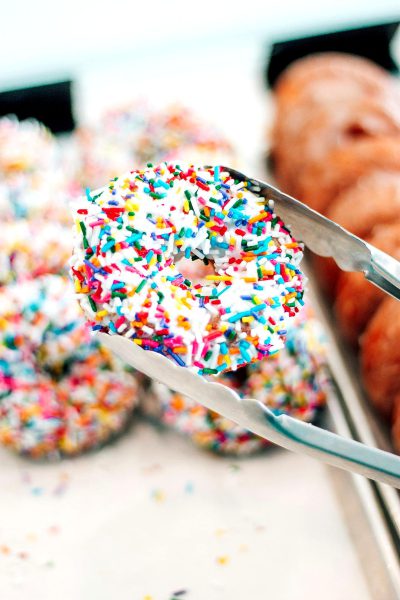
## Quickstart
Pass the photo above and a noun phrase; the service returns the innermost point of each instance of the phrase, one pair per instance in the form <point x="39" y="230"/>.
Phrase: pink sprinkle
<point x="119" y="322"/>
<point x="151" y="343"/>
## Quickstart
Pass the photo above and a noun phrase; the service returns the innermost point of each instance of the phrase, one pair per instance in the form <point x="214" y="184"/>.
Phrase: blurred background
<point x="101" y="495"/>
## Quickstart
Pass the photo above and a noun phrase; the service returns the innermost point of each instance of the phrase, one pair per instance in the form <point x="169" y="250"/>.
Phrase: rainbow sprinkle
<point x="129" y="238"/>
<point x="293" y="382"/>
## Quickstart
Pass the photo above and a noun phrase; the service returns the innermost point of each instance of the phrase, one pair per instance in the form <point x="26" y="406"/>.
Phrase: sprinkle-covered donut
<point x="25" y="146"/>
<point x="59" y="391"/>
<point x="29" y="249"/>
<point x="128" y="237"/>
<point x="40" y="317"/>
<point x="35" y="181"/>
<point x="41" y="416"/>
<point x="293" y="382"/>
<point x="135" y="134"/>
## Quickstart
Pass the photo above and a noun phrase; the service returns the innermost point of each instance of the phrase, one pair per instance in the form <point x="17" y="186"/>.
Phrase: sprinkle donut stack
<point x="60" y="393"/>
<point x="128" y="237"/>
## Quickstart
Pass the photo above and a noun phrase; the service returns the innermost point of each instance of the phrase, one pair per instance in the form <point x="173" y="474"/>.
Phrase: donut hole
<point x="195" y="270"/>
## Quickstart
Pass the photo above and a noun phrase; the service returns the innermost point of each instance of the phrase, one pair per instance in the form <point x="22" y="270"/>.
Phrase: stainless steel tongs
<point x="325" y="238"/>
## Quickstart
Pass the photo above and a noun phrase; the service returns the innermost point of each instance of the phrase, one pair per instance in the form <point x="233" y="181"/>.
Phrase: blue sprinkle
<point x="108" y="245"/>
<point x="88" y="196"/>
<point x="176" y="357"/>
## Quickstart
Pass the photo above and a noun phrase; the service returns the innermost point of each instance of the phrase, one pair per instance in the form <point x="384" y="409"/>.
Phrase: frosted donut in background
<point x="129" y="137"/>
<point x="293" y="382"/>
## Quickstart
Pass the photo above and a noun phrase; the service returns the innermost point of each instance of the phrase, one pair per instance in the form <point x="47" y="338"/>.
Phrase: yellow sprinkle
<point x="247" y="319"/>
<point x="219" y="278"/>
<point x="138" y="342"/>
<point x="130" y="206"/>
<point x="186" y="303"/>
<point x="222" y="560"/>
<point x="257" y="300"/>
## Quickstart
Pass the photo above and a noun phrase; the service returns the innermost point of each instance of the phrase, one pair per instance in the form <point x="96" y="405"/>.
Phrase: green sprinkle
<point x="92" y="304"/>
<point x="140" y="286"/>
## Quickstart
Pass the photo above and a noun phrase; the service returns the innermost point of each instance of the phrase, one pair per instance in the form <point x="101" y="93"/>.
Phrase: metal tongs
<point x="325" y="238"/>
